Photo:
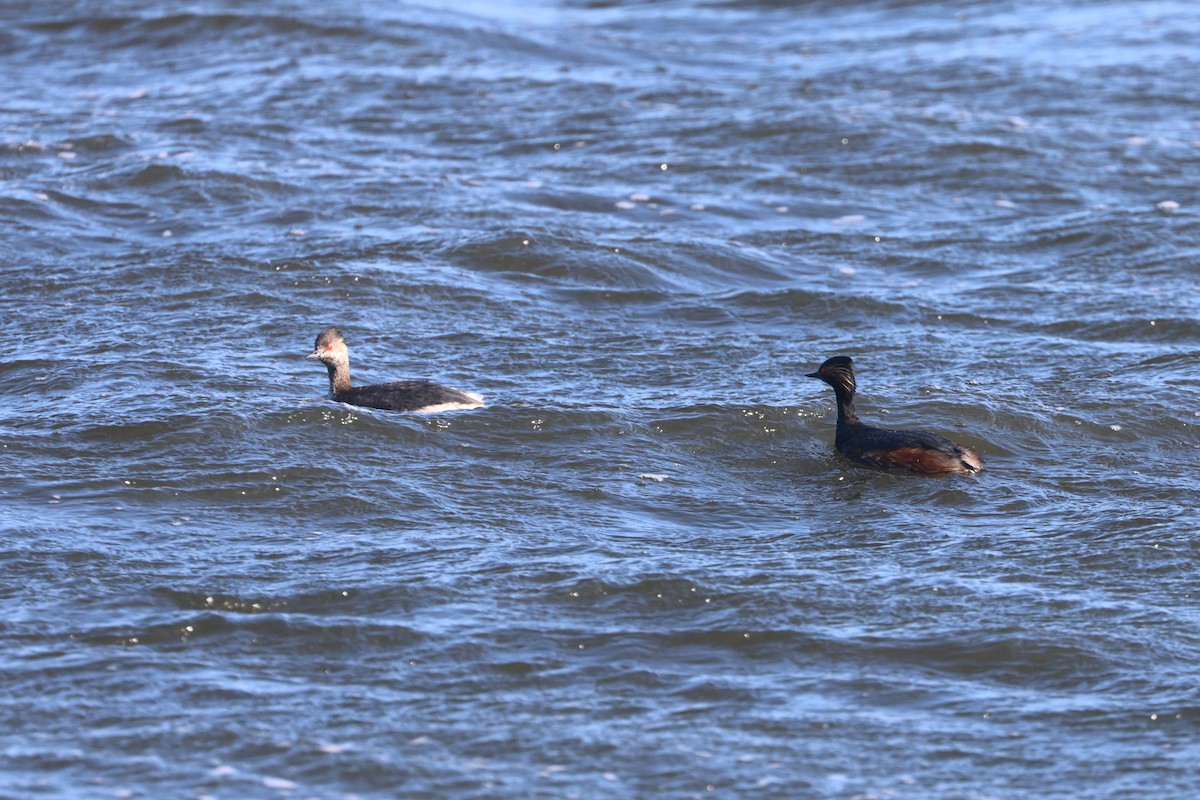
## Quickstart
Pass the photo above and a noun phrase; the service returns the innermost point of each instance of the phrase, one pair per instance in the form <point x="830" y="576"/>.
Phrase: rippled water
<point x="642" y="571"/>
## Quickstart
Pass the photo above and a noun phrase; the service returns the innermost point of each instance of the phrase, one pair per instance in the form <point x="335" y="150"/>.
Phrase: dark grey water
<point x="642" y="571"/>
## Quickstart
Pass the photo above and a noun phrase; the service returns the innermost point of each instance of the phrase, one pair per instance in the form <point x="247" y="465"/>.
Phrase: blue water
<point x="642" y="571"/>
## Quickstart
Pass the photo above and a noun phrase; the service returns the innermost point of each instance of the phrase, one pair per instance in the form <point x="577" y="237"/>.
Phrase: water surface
<point x="642" y="571"/>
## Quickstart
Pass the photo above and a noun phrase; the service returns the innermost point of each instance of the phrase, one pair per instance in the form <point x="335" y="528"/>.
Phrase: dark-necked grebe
<point x="424" y="397"/>
<point x="888" y="449"/>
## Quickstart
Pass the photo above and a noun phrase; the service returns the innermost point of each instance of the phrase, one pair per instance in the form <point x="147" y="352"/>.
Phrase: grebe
<point x="423" y="397"/>
<point x="889" y="449"/>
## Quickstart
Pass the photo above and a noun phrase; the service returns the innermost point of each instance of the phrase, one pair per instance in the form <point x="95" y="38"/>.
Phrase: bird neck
<point x="339" y="378"/>
<point x="845" y="405"/>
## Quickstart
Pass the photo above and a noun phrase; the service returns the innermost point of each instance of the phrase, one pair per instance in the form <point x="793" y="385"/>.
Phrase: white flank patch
<point x="478" y="398"/>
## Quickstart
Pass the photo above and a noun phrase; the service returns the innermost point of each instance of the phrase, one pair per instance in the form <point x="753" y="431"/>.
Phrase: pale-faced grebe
<point x="424" y="397"/>
<point x="888" y="449"/>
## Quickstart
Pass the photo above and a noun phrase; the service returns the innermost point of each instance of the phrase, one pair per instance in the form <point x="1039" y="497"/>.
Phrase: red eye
<point x="328" y="347"/>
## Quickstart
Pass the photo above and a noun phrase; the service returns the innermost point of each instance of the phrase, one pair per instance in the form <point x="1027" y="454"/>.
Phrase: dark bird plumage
<point x="413" y="395"/>
<point x="884" y="448"/>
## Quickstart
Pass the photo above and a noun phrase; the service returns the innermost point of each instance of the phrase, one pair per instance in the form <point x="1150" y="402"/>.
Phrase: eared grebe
<point x="888" y="449"/>
<point x="421" y="396"/>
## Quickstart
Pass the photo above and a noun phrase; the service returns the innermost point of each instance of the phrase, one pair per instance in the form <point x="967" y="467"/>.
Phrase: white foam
<point x="279" y="783"/>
